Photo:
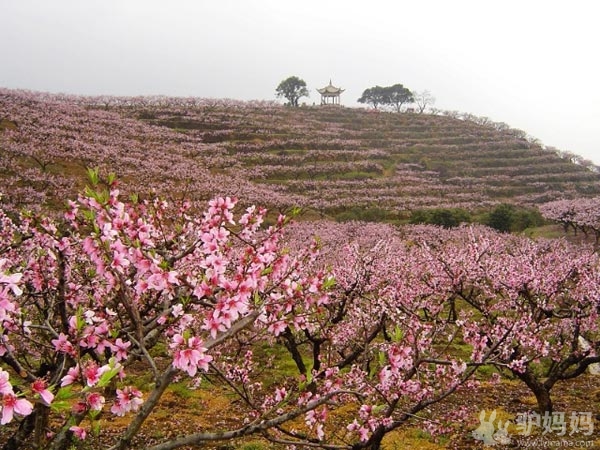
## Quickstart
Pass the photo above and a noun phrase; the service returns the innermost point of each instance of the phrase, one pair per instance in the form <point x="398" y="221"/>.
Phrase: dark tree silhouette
<point x="292" y="89"/>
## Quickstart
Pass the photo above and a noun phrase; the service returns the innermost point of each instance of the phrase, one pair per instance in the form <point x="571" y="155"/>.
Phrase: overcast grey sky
<point x="532" y="64"/>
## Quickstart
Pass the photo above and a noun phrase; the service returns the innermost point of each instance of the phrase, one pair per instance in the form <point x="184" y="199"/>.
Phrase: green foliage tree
<point x="445" y="217"/>
<point x="292" y="89"/>
<point x="527" y="218"/>
<point x="374" y="96"/>
<point x="510" y="218"/>
<point x="397" y="95"/>
<point x="501" y="217"/>
<point x="372" y="214"/>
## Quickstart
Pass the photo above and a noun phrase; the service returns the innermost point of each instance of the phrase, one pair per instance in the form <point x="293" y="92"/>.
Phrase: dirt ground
<point x="180" y="414"/>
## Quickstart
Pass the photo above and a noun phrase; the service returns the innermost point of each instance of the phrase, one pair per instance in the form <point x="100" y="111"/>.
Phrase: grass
<point x="254" y="446"/>
<point x="277" y="363"/>
<point x="411" y="438"/>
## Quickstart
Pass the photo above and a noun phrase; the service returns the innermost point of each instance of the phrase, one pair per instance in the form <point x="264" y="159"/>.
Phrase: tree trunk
<point x="376" y="438"/>
<point x="544" y="401"/>
<point x="539" y="389"/>
<point x="17" y="440"/>
<point x="42" y="416"/>
<point x="374" y="442"/>
<point x="292" y="347"/>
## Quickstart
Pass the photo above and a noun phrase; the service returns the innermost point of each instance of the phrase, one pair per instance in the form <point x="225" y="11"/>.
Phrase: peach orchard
<point x="375" y="319"/>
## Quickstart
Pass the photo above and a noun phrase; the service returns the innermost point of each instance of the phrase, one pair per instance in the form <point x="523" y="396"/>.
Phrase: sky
<point x="531" y="64"/>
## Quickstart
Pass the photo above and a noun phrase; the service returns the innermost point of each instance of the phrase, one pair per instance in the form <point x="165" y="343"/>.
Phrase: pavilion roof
<point x="330" y="89"/>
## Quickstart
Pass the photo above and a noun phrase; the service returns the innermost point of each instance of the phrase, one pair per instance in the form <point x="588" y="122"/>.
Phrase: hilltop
<point x="327" y="159"/>
<point x="332" y="334"/>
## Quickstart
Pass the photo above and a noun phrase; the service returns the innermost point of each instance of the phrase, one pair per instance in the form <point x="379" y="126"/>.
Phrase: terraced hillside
<point x="327" y="159"/>
<point x="337" y="158"/>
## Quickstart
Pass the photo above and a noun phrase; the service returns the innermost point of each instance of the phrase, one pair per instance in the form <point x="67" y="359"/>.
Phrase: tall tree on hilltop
<point x="397" y="95"/>
<point x="374" y="96"/>
<point x="292" y="89"/>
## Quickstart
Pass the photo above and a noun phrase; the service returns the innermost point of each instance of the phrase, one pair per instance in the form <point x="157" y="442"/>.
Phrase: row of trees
<point x="395" y="97"/>
<point x="504" y="217"/>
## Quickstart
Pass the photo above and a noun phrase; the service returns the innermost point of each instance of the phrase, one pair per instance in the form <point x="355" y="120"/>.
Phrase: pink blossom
<point x="177" y="310"/>
<point x="11" y="282"/>
<point x="5" y="386"/>
<point x="79" y="432"/>
<point x="202" y="289"/>
<point x="122" y="348"/>
<point x="6" y="306"/>
<point x="217" y="263"/>
<point x="62" y="344"/>
<point x="363" y="434"/>
<point x="80" y="407"/>
<point x="157" y="281"/>
<point x="119" y="262"/>
<point x="90" y="338"/>
<point x="105" y="344"/>
<point x="365" y="411"/>
<point x="72" y="212"/>
<point x="141" y="286"/>
<point x="191" y="358"/>
<point x="280" y="394"/>
<point x="92" y="373"/>
<point x="11" y="404"/>
<point x="213" y="325"/>
<point x="320" y="431"/>
<point x="173" y="277"/>
<point x="128" y="399"/>
<point x="71" y="376"/>
<point x="353" y="426"/>
<point x="95" y="401"/>
<point x="310" y="418"/>
<point x="277" y="327"/>
<point x="40" y="386"/>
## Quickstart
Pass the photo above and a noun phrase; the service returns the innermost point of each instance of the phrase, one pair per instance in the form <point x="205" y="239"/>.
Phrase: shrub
<point x="445" y="217"/>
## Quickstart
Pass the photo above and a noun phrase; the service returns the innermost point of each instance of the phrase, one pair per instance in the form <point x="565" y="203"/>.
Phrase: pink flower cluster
<point x="189" y="355"/>
<point x="11" y="403"/>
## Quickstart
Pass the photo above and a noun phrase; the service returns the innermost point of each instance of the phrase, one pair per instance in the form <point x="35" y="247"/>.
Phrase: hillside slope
<point x="327" y="159"/>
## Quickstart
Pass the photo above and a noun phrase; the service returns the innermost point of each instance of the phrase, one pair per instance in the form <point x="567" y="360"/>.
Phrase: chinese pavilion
<point x="330" y="94"/>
